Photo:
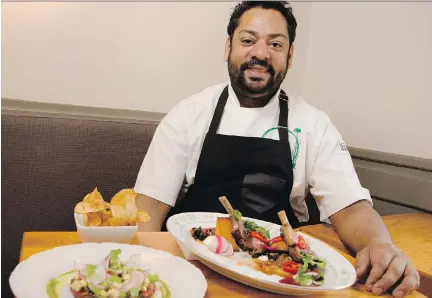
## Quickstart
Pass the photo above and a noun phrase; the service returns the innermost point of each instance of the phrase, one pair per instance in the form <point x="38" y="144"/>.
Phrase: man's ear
<point x="227" y="48"/>
<point x="290" y="56"/>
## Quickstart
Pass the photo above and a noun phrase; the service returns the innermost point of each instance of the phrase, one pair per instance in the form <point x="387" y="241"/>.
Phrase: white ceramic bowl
<point x="123" y="234"/>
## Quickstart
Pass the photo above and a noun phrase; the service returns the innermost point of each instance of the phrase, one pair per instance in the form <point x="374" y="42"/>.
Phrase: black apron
<point x="255" y="174"/>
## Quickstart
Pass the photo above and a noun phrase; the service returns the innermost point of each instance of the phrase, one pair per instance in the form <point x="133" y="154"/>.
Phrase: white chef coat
<point x="323" y="164"/>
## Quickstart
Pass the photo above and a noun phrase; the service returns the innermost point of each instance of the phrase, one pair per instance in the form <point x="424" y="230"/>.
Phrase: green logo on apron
<point x="295" y="150"/>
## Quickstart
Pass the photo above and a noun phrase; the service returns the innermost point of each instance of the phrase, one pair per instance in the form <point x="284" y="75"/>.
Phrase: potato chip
<point x="83" y="208"/>
<point x="121" y="211"/>
<point x="95" y="199"/>
<point x="114" y="221"/>
<point x="123" y="206"/>
<point x="105" y="222"/>
<point x="93" y="219"/>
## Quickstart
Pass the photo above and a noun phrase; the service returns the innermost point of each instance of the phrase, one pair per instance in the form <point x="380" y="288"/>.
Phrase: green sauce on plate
<point x="54" y="283"/>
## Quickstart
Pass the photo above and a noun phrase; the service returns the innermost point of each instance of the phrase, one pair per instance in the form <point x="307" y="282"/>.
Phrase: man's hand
<point x="388" y="265"/>
<point x="361" y="228"/>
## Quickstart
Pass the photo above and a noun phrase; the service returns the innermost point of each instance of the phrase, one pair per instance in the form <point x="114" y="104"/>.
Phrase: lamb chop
<point x="242" y="238"/>
<point x="290" y="237"/>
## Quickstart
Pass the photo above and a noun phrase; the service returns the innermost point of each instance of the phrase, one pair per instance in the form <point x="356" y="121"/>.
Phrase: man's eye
<point x="247" y="41"/>
<point x="276" y="44"/>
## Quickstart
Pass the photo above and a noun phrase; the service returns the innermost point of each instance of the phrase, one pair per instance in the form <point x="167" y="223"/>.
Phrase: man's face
<point x="258" y="55"/>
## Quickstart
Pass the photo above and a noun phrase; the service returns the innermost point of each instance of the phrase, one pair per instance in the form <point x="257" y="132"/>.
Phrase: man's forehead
<point x="263" y="22"/>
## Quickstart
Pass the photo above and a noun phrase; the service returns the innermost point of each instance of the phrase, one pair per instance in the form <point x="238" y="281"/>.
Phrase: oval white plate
<point x="340" y="273"/>
<point x="30" y="278"/>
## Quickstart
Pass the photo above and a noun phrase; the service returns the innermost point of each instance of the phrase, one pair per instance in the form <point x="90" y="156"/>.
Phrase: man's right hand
<point x="157" y="211"/>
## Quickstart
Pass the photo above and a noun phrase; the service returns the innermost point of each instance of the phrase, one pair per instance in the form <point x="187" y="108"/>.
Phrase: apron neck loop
<point x="283" y="114"/>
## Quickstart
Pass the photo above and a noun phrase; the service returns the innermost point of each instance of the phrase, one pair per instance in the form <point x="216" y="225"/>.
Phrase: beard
<point x="249" y="89"/>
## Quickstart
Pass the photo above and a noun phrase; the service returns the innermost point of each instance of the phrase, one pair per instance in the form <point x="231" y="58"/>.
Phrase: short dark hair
<point x="282" y="6"/>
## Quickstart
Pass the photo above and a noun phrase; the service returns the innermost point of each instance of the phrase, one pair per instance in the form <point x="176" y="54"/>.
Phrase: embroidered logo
<point x="294" y="153"/>
<point x="295" y="150"/>
<point x="342" y="147"/>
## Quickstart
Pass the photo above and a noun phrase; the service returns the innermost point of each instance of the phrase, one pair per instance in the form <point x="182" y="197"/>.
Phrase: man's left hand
<point x="388" y="265"/>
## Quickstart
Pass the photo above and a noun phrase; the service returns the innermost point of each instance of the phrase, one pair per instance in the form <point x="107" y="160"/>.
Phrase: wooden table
<point x="411" y="232"/>
<point x="220" y="286"/>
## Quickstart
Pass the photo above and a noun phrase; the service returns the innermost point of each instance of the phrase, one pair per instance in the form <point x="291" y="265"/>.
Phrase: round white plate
<point x="339" y="273"/>
<point x="30" y="278"/>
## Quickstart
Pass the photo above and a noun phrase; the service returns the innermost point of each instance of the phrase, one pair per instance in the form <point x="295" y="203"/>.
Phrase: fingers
<point x="379" y="266"/>
<point x="394" y="272"/>
<point x="410" y="282"/>
<point x="362" y="262"/>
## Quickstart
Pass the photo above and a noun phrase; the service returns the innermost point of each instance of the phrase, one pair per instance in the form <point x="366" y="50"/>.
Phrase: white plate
<point x="340" y="274"/>
<point x="30" y="278"/>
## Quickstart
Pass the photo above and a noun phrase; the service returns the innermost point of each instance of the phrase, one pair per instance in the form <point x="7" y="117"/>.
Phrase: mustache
<point x="262" y="63"/>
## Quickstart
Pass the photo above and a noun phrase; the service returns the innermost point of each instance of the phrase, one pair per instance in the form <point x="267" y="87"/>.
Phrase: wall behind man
<point x="352" y="60"/>
<point x="369" y="66"/>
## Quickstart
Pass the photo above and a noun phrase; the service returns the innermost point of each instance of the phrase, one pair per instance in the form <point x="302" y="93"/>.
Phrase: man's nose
<point x="261" y="50"/>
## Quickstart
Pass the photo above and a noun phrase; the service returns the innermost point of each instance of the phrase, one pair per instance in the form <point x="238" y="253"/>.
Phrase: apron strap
<point x="283" y="116"/>
<point x="217" y="116"/>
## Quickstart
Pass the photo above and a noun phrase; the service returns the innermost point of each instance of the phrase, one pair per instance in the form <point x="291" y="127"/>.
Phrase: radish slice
<point x="219" y="245"/>
<point x="137" y="261"/>
<point x="136" y="280"/>
<point x="229" y="252"/>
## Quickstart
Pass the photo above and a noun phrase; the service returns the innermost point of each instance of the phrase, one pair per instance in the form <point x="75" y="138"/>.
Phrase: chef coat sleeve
<point x="334" y="182"/>
<point x="164" y="167"/>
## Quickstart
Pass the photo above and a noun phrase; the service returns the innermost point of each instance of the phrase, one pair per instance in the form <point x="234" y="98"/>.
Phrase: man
<point x="264" y="149"/>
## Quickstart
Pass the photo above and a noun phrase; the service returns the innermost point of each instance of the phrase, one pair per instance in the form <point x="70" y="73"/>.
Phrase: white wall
<point x="136" y="55"/>
<point x="369" y="66"/>
<point x="145" y="55"/>
<point x="351" y="60"/>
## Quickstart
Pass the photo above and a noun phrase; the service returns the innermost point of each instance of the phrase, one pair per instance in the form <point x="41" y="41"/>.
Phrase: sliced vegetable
<point x="259" y="236"/>
<point x="277" y="243"/>
<point x="301" y="242"/>
<point x="303" y="280"/>
<point x="135" y="280"/>
<point x="263" y="231"/>
<point x="252" y="226"/>
<point x="291" y="267"/>
<point x="224" y="229"/>
<point x="219" y="245"/>
<point x="276" y="239"/>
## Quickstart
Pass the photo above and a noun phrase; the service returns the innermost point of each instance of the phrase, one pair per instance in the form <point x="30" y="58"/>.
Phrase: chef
<point x="265" y="149"/>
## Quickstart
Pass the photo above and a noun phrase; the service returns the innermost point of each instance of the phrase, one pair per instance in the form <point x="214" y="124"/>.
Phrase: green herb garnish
<point x="263" y="231"/>
<point x="90" y="270"/>
<point x="237" y="214"/>
<point x="153" y="278"/>
<point x="134" y="292"/>
<point x="252" y="226"/>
